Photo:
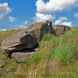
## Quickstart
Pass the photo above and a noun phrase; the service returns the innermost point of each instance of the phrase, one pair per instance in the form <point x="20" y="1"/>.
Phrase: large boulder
<point x="40" y="28"/>
<point x="27" y="38"/>
<point x="27" y="43"/>
<point x="12" y="40"/>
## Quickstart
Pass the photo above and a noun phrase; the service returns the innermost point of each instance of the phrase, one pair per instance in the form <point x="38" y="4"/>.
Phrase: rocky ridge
<point x="27" y="40"/>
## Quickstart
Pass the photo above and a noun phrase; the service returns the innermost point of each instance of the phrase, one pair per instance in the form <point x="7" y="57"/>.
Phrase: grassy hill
<point x="57" y="57"/>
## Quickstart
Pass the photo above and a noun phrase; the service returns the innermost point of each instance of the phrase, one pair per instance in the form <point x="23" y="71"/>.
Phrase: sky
<point x="17" y="13"/>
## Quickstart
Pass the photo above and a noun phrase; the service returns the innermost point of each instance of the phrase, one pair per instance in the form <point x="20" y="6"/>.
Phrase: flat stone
<point x="20" y="56"/>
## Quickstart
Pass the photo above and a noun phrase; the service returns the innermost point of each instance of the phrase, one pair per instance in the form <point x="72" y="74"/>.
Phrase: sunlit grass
<point x="54" y="59"/>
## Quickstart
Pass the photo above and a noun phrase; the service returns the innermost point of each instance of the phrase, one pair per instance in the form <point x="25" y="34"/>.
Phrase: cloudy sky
<point x="15" y="13"/>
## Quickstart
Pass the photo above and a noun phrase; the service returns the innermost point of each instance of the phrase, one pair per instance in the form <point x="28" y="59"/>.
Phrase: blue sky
<point x="22" y="11"/>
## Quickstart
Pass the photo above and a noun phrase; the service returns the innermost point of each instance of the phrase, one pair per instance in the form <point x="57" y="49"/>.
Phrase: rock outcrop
<point x="27" y="38"/>
<point x="39" y="29"/>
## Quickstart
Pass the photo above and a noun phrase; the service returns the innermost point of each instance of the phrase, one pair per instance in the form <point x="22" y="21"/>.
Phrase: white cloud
<point x="44" y="10"/>
<point x="63" y="18"/>
<point x="3" y="29"/>
<point x="67" y="23"/>
<point x="60" y="20"/>
<point x="54" y="5"/>
<point x="2" y="16"/>
<point x="76" y="15"/>
<point x="40" y="6"/>
<point x="43" y="17"/>
<point x="11" y="18"/>
<point x="63" y="21"/>
<point x="4" y="8"/>
<point x="26" y="22"/>
<point x="5" y="11"/>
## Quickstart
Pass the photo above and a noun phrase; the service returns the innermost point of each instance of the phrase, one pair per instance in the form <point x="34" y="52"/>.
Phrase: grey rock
<point x="27" y="38"/>
<point x="21" y="57"/>
<point x="61" y="29"/>
<point x="40" y="28"/>
<point x="27" y="42"/>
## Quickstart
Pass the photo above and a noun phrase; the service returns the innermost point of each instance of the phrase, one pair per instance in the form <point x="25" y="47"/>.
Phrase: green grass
<point x="56" y="58"/>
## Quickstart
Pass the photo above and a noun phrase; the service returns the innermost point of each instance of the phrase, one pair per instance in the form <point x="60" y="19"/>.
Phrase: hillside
<point x="56" y="57"/>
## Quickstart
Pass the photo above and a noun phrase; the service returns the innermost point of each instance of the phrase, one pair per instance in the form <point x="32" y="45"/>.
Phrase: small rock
<point x="61" y="29"/>
<point x="19" y="56"/>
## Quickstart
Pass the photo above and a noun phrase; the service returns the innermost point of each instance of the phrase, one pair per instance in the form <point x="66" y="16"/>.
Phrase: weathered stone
<point x="40" y="28"/>
<point x="27" y="38"/>
<point x="21" y="57"/>
<point x="27" y="43"/>
<point x="61" y="29"/>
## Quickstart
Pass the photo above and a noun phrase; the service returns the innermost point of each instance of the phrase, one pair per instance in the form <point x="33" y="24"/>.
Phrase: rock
<point x="27" y="43"/>
<point x="12" y="40"/>
<point x="27" y="38"/>
<point x="61" y="29"/>
<point x="21" y="57"/>
<point x="40" y="28"/>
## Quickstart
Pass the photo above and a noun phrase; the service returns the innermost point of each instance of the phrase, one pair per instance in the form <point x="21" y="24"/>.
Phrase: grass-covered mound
<point x="57" y="57"/>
